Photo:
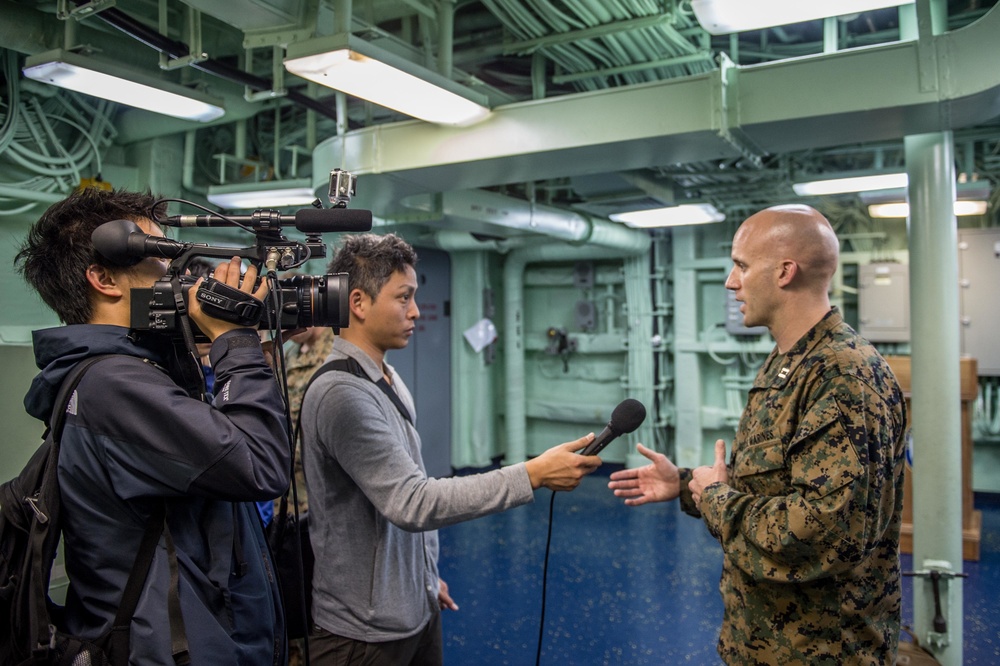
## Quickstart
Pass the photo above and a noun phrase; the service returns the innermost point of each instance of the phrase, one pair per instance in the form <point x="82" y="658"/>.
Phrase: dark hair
<point x="57" y="252"/>
<point x="370" y="260"/>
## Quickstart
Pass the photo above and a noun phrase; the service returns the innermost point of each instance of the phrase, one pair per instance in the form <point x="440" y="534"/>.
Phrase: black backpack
<point x="30" y="530"/>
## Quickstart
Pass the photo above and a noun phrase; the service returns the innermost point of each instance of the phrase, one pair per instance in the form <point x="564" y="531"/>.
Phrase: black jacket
<point x="133" y="438"/>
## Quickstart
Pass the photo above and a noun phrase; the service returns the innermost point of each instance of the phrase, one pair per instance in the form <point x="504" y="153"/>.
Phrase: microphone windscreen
<point x="111" y="241"/>
<point x="319" y="220"/>
<point x="628" y="415"/>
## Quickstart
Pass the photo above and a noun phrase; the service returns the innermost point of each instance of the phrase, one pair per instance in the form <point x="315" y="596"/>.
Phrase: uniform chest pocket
<point x="761" y="458"/>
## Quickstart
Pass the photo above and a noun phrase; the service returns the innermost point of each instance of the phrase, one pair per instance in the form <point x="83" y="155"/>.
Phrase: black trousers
<point x="423" y="649"/>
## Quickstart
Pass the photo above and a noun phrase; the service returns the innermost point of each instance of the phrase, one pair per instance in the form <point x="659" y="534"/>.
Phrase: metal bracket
<point x="278" y="88"/>
<point x="66" y="9"/>
<point x="727" y="113"/>
<point x="192" y="37"/>
<point x="938" y="572"/>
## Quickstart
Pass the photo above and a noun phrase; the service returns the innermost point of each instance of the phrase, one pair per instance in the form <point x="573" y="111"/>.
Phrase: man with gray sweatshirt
<point x="377" y="597"/>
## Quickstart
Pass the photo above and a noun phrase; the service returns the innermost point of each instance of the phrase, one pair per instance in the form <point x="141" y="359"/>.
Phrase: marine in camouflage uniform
<point x="299" y="369"/>
<point x="808" y="508"/>
<point x="814" y="498"/>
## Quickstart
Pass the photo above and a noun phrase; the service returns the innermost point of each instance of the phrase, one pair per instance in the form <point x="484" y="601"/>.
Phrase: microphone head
<point x="111" y="241"/>
<point x="319" y="220"/>
<point x="628" y="415"/>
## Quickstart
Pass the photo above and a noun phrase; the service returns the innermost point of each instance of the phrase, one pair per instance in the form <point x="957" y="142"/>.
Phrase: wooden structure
<point x="971" y="519"/>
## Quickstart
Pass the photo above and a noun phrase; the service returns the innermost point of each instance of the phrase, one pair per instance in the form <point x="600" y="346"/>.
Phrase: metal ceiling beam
<point x="849" y="97"/>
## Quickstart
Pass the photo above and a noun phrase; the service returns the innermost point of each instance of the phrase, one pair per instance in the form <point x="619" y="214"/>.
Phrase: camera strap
<point x="188" y="366"/>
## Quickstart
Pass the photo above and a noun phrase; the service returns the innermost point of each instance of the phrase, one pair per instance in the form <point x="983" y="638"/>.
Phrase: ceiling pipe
<point x="491" y="209"/>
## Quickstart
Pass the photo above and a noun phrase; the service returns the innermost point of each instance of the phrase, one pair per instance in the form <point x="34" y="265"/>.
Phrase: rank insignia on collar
<point x="784" y="372"/>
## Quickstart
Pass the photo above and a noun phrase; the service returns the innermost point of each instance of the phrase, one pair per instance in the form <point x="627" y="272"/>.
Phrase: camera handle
<point x="221" y="301"/>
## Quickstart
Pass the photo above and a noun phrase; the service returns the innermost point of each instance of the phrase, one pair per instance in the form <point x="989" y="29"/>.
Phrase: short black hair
<point x="370" y="260"/>
<point x="57" y="251"/>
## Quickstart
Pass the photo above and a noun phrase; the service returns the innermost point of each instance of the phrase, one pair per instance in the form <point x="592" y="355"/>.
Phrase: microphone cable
<point x="545" y="577"/>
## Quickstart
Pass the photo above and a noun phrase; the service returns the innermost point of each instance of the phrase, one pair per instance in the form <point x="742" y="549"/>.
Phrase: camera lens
<point x="311" y="300"/>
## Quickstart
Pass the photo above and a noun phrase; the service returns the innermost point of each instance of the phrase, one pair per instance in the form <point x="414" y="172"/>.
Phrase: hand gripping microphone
<point x="627" y="416"/>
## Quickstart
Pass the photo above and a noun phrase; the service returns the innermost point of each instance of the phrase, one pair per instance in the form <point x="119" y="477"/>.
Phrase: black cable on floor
<point x="545" y="576"/>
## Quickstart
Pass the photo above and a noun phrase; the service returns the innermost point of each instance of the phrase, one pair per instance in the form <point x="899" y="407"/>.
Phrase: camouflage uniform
<point x="814" y="499"/>
<point x="299" y="369"/>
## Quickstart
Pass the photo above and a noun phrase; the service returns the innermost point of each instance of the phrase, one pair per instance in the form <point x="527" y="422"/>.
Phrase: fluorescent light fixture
<point x="884" y="181"/>
<point x="721" y="17"/>
<point x="73" y="71"/>
<point x="349" y="64"/>
<point x="274" y="194"/>
<point x="902" y="209"/>
<point x="672" y="216"/>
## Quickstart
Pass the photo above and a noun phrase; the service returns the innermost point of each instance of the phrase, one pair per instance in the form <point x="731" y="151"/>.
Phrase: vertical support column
<point x="473" y="410"/>
<point x="936" y="390"/>
<point x="687" y="366"/>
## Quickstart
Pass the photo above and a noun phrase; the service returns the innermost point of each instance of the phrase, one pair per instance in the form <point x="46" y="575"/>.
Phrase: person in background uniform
<point x="305" y="355"/>
<point x="373" y="512"/>
<point x="808" y="510"/>
<point x="136" y="442"/>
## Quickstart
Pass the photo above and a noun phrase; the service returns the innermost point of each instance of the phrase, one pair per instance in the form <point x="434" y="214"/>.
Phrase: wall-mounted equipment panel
<point x="884" y="302"/>
<point x="979" y="301"/>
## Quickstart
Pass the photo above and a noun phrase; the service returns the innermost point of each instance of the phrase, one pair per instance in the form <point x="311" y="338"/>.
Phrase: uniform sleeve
<point x="159" y="441"/>
<point x="359" y="428"/>
<point x="829" y="519"/>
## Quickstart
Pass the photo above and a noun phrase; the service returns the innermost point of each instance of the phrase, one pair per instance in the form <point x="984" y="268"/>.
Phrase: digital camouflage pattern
<point x="810" y="519"/>
<point x="299" y="369"/>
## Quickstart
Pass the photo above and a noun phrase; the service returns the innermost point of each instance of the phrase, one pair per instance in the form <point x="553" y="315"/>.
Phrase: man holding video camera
<point x="136" y="442"/>
<point x="373" y="511"/>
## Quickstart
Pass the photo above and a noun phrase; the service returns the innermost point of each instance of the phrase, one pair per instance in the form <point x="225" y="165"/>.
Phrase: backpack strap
<point x="46" y="505"/>
<point x="352" y="366"/>
<point x="118" y="639"/>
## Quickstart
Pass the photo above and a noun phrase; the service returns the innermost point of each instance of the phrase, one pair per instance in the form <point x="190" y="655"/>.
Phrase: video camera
<point x="298" y="302"/>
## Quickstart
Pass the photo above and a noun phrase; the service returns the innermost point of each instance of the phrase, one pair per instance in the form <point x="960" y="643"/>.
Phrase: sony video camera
<point x="298" y="302"/>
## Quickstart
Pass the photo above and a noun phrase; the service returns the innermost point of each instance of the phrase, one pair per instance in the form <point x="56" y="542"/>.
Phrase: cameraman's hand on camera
<point x="227" y="273"/>
<point x="560" y="468"/>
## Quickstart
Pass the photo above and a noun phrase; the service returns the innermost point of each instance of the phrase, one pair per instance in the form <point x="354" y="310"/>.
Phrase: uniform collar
<point x="778" y="367"/>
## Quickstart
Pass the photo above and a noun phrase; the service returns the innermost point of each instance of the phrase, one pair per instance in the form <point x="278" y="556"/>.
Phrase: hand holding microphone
<point x="627" y="416"/>
<point x="561" y="468"/>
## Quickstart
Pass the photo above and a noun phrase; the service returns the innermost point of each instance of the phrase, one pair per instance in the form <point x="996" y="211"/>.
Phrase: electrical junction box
<point x="979" y="305"/>
<point x="884" y="302"/>
<point x="734" y="318"/>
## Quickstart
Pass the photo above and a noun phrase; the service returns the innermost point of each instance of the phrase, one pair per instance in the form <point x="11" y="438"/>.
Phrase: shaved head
<point x="784" y="259"/>
<point x="799" y="233"/>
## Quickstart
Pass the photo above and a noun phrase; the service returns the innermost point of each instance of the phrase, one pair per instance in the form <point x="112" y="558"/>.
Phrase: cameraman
<point x="135" y="441"/>
<point x="377" y="597"/>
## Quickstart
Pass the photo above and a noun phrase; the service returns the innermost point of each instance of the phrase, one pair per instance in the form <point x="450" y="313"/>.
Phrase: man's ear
<point x="358" y="302"/>
<point x="788" y="271"/>
<point x="103" y="281"/>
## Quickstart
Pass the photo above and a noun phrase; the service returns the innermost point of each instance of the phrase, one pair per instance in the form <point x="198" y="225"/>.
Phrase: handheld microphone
<point x="123" y="243"/>
<point x="626" y="417"/>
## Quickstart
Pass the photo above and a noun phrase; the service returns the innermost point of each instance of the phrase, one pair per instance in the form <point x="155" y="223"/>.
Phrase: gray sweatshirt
<point x="373" y="510"/>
